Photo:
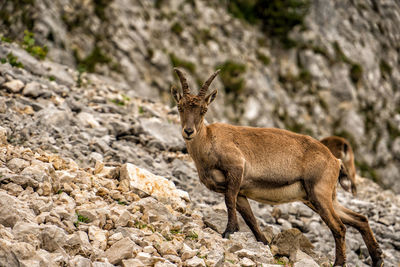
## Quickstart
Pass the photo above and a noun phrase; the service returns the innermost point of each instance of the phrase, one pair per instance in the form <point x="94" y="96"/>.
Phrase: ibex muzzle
<point x="268" y="165"/>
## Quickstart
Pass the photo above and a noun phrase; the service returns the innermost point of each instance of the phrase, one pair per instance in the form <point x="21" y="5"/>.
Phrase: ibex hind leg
<point x="320" y="200"/>
<point x="360" y="222"/>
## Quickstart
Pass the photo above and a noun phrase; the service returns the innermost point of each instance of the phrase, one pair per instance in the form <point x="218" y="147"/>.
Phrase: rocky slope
<point x="85" y="179"/>
<point x="339" y="73"/>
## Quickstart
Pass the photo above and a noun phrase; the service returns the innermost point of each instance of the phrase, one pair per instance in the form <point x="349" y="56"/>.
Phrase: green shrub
<point x="305" y="76"/>
<point x="81" y="70"/>
<point x="28" y="44"/>
<point x="100" y="7"/>
<point x="356" y="72"/>
<point x="89" y="63"/>
<point x="339" y="53"/>
<point x="177" y="62"/>
<point x="12" y="60"/>
<point x="121" y="102"/>
<point x="277" y="17"/>
<point x="5" y="39"/>
<point x="320" y="50"/>
<point x="177" y="28"/>
<point x="244" y="9"/>
<point x="17" y="13"/>
<point x="386" y="69"/>
<point x="280" y="16"/>
<point x="367" y="171"/>
<point x="203" y="36"/>
<point x="192" y="235"/>
<point x="232" y="76"/>
<point x="393" y="131"/>
<point x="263" y="58"/>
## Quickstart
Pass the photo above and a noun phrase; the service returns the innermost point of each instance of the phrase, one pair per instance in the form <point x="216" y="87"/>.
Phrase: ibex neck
<point x="196" y="145"/>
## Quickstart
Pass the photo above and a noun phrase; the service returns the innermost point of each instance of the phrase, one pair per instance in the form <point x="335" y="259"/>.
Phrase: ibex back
<point x="268" y="165"/>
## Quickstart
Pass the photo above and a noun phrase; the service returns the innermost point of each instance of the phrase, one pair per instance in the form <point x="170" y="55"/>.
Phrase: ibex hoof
<point x="227" y="233"/>
<point x="378" y="263"/>
<point x="263" y="240"/>
<point x="340" y="265"/>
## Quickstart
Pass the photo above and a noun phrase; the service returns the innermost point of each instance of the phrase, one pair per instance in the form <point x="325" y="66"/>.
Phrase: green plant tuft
<point x="140" y="225"/>
<point x="279" y="261"/>
<point x="40" y="52"/>
<point x="320" y="50"/>
<point x="81" y="219"/>
<point x="277" y="17"/>
<point x="118" y="102"/>
<point x="100" y="8"/>
<point x="305" y="76"/>
<point x="386" y="69"/>
<point x="263" y="58"/>
<point x="339" y="53"/>
<point x="5" y="39"/>
<point x="177" y="28"/>
<point x="81" y="70"/>
<point x="89" y="63"/>
<point x="141" y="110"/>
<point x="393" y="131"/>
<point x="356" y="72"/>
<point x="175" y="232"/>
<point x="367" y="171"/>
<point x="12" y="60"/>
<point x="192" y="235"/>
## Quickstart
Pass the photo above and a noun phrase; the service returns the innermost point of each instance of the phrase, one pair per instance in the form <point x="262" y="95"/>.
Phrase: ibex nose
<point x="189" y="131"/>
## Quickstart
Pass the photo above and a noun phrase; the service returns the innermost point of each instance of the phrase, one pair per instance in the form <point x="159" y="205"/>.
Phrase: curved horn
<point x="205" y="86"/>
<point x="185" y="86"/>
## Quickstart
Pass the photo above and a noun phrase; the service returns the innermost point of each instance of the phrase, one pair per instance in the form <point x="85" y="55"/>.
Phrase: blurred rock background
<point x="316" y="67"/>
<point x="84" y="89"/>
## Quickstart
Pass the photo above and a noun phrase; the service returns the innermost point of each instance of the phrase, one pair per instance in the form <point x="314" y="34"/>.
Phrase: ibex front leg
<point x="234" y="178"/>
<point x="244" y="208"/>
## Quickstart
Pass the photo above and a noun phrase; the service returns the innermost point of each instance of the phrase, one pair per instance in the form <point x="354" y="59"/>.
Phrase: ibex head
<point x="192" y="108"/>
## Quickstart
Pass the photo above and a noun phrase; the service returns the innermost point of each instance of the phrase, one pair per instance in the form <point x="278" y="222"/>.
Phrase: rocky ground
<point x="336" y="73"/>
<point x="92" y="176"/>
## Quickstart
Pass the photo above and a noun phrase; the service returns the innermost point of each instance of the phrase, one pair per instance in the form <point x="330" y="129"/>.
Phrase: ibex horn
<point x="185" y="86"/>
<point x="205" y="86"/>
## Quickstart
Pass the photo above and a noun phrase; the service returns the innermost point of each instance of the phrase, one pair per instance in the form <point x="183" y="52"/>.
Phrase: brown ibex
<point x="268" y="165"/>
<point x="341" y="149"/>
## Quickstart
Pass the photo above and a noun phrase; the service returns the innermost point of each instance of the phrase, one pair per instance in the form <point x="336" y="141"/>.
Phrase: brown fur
<point x="341" y="149"/>
<point x="268" y="165"/>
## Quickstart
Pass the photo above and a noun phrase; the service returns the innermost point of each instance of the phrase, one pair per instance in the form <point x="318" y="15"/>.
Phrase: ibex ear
<point x="174" y="91"/>
<point x="210" y="98"/>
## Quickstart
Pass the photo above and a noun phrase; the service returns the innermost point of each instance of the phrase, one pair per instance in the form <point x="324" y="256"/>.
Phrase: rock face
<point x="84" y="181"/>
<point x="339" y="77"/>
<point x="93" y="175"/>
